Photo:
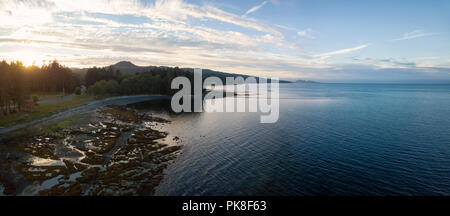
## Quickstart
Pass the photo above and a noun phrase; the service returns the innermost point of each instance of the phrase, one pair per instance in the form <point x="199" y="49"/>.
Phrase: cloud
<point x="414" y="34"/>
<point x="85" y="46"/>
<point x="342" y="51"/>
<point x="220" y="15"/>
<point x="399" y="63"/>
<point x="18" y="13"/>
<point x="33" y="12"/>
<point x="88" y="33"/>
<point x="255" y="8"/>
<point x="307" y="33"/>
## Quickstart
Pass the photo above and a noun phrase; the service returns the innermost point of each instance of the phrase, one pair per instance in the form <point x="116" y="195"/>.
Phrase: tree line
<point x="104" y="81"/>
<point x="17" y="82"/>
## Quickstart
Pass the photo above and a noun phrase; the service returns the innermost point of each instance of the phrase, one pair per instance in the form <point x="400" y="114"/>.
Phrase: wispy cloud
<point x="159" y="33"/>
<point x="307" y="33"/>
<point x="255" y="8"/>
<point x="414" y="34"/>
<point x="342" y="51"/>
<point x="87" y="33"/>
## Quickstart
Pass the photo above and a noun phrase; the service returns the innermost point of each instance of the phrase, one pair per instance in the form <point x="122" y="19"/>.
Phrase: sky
<point x="329" y="41"/>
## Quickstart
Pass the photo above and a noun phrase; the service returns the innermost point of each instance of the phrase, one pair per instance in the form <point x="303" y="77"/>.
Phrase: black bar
<point x="174" y="205"/>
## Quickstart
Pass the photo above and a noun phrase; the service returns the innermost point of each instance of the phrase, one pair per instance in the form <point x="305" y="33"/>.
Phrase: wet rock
<point x="121" y="113"/>
<point x="63" y="189"/>
<point x="73" y="167"/>
<point x="8" y="187"/>
<point x="88" y="175"/>
<point x="39" y="147"/>
<point x="93" y="158"/>
<point x="117" y="155"/>
<point x="40" y="173"/>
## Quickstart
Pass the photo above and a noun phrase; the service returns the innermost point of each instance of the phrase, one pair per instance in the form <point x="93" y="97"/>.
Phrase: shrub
<point x="104" y="87"/>
<point x="78" y="91"/>
<point x="35" y="98"/>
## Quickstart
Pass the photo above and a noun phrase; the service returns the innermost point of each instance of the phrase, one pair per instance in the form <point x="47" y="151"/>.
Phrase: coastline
<point x="115" y="150"/>
<point x="120" y="100"/>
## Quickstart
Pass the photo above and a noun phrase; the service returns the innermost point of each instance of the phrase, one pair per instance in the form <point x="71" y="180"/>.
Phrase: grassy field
<point x="44" y="110"/>
<point x="64" y="124"/>
<point x="52" y="129"/>
<point x="45" y="95"/>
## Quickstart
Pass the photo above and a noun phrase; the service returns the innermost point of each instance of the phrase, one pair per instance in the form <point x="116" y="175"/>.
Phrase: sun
<point x="29" y="58"/>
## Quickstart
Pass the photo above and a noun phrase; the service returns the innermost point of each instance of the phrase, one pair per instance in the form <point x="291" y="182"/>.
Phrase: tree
<point x="154" y="81"/>
<point x="78" y="91"/>
<point x="18" y="81"/>
<point x="35" y="98"/>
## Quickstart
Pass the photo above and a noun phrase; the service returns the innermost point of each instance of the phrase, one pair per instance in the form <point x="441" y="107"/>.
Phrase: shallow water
<point x="331" y="139"/>
<point x="112" y="151"/>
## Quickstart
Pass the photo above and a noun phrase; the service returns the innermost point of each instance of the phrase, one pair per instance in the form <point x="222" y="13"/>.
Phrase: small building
<point x="83" y="89"/>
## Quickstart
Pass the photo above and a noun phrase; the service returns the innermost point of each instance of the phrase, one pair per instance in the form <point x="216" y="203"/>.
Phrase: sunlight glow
<point x="29" y="58"/>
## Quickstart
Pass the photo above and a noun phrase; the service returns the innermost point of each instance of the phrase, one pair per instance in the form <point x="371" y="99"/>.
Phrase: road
<point x="56" y="99"/>
<point x="122" y="100"/>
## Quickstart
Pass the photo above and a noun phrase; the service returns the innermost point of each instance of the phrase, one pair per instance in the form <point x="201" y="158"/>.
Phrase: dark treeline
<point x="106" y="81"/>
<point x="96" y="74"/>
<point x="17" y="82"/>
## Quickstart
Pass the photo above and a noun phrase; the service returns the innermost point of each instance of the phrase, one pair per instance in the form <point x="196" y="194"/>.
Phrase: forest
<point x="157" y="80"/>
<point x="18" y="82"/>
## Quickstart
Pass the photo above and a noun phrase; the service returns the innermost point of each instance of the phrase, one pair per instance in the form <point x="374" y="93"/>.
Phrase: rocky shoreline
<point x="112" y="151"/>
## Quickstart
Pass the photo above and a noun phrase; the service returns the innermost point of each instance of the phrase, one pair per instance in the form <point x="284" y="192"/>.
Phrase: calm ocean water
<point x="331" y="139"/>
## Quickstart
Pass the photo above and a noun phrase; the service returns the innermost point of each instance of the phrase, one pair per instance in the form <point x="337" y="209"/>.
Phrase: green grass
<point x="47" y="130"/>
<point x="65" y="123"/>
<point x="45" y="95"/>
<point x="44" y="110"/>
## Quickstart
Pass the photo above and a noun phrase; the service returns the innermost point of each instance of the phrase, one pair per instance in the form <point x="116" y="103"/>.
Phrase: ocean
<point x="330" y="139"/>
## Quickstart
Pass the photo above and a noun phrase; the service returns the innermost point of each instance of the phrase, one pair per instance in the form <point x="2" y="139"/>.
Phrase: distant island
<point x="305" y="81"/>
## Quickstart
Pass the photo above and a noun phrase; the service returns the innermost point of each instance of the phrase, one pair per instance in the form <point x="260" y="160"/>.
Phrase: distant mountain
<point x="305" y="81"/>
<point x="125" y="67"/>
<point x="125" y="64"/>
<point x="128" y="68"/>
<point x="222" y="75"/>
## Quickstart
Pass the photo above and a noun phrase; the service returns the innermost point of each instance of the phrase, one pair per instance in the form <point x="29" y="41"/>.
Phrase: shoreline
<point x="120" y="100"/>
<point x="115" y="150"/>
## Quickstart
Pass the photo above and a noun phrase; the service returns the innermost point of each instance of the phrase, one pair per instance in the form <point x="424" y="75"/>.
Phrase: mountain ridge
<point x="129" y="68"/>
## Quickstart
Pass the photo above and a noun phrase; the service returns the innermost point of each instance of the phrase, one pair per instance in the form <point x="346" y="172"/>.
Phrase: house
<point x="83" y="89"/>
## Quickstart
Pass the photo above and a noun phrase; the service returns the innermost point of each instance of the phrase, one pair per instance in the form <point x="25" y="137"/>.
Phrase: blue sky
<point x="331" y="41"/>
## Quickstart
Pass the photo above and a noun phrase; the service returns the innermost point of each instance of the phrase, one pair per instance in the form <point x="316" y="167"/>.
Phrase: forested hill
<point x="128" y="68"/>
<point x="19" y="82"/>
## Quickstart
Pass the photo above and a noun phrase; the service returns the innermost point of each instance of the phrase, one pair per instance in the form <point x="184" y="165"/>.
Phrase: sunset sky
<point x="336" y="41"/>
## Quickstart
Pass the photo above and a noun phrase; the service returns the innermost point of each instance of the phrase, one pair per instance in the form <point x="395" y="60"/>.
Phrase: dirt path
<point x="123" y="100"/>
